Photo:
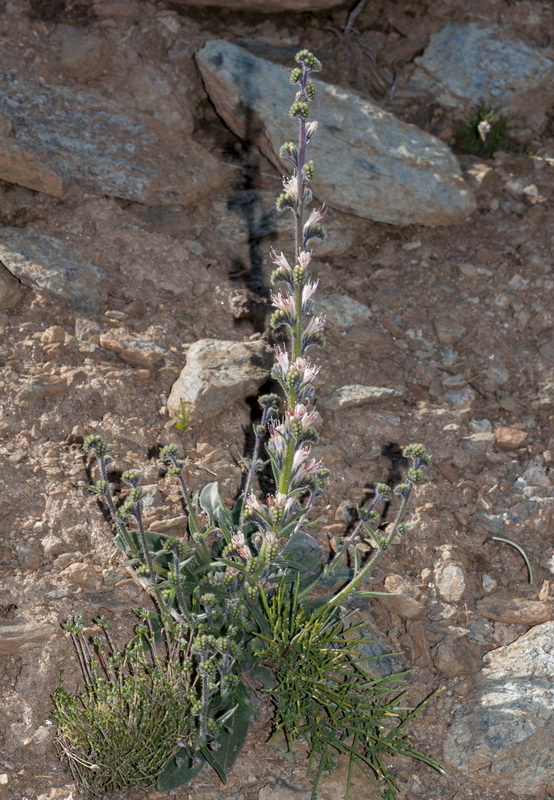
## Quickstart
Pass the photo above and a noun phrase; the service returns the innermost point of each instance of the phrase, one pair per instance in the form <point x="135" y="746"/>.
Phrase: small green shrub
<point x="136" y="708"/>
<point x="321" y="694"/>
<point x="485" y="131"/>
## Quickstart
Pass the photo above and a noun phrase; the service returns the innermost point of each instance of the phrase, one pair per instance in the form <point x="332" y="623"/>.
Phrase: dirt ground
<point x="461" y="324"/>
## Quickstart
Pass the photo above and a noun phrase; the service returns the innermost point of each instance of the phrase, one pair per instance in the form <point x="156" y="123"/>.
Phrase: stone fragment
<point x="116" y="9"/>
<point x="64" y="137"/>
<point x="52" y="545"/>
<point x="456" y="657"/>
<point x="28" y="555"/>
<point x="266" y="6"/>
<point x="82" y="574"/>
<point x="20" y="165"/>
<point x="449" y="332"/>
<point x="45" y="264"/>
<point x="368" y="162"/>
<point x="11" y="290"/>
<point x="449" y="575"/>
<point x="342" y="310"/>
<point x="219" y="373"/>
<point x="357" y="395"/>
<point x="133" y="348"/>
<point x="477" y="444"/>
<point x="406" y="604"/>
<point x="460" y="399"/>
<point x="19" y="636"/>
<point x="378" y="657"/>
<point x="535" y="475"/>
<point x="83" y="56"/>
<point x="507" y="438"/>
<point x="502" y="735"/>
<point x="515" y="610"/>
<point x="42" y="386"/>
<point x="479" y="176"/>
<point x="547" y="350"/>
<point x="468" y="64"/>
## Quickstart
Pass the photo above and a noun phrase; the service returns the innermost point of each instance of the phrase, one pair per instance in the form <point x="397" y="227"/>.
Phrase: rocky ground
<point x="135" y="223"/>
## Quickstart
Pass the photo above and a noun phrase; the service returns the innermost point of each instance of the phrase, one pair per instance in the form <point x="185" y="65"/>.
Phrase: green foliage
<point x="485" y="131"/>
<point x="180" y="769"/>
<point x="136" y="709"/>
<point x="243" y="589"/>
<point x="322" y="696"/>
<point x="184" y="418"/>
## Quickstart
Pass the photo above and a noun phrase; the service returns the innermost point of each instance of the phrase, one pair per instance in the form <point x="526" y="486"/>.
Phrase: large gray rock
<point x="368" y="163"/>
<point x="47" y="265"/>
<point x="503" y="737"/>
<point x="218" y="374"/>
<point x="467" y="64"/>
<point x="56" y="138"/>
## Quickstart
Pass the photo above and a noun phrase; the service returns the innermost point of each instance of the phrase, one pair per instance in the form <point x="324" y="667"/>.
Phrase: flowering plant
<point x="230" y="591"/>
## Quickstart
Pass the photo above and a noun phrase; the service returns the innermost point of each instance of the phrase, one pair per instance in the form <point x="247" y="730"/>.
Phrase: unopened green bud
<point x="295" y="74"/>
<point x="285" y="201"/>
<point x="95" y="444"/>
<point x="416" y="451"/>
<point x="309" y="60"/>
<point x="309" y="170"/>
<point x="132" y="477"/>
<point x="278" y="318"/>
<point x="383" y="491"/>
<point x="299" y="109"/>
<point x="289" y="152"/>
<point x="207" y="599"/>
<point x="310" y="91"/>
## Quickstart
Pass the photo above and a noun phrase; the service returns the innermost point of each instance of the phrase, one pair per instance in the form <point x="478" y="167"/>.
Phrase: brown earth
<point x="462" y="324"/>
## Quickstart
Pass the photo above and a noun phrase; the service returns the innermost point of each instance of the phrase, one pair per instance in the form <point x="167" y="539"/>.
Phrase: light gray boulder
<point x="368" y="163"/>
<point x="219" y="373"/>
<point x="503" y="735"/>
<point x="55" y="138"/>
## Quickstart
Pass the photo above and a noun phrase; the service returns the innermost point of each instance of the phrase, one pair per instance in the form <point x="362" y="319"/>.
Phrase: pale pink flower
<point x="315" y="325"/>
<point x="308" y="290"/>
<point x="304" y="258"/>
<point x="316" y="216"/>
<point x="282" y="302"/>
<point x="302" y="414"/>
<point x="282" y="358"/>
<point x="253" y="504"/>
<point x="311" y="128"/>
<point x="290" y="187"/>
<point x="304" y="368"/>
<point x="240" y="545"/>
<point x="279" y="259"/>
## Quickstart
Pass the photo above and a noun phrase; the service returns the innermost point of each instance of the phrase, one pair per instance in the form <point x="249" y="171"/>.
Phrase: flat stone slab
<point x="47" y="265"/>
<point x="504" y="734"/>
<point x="54" y="138"/>
<point x="342" y="310"/>
<point x="368" y="163"/>
<point x="357" y="395"/>
<point x="472" y="64"/>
